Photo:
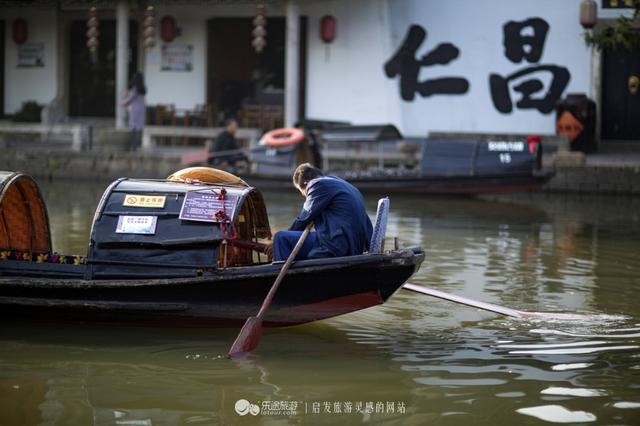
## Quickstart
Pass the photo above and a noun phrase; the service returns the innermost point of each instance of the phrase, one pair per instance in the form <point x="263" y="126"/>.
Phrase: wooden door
<point x="239" y="79"/>
<point x="92" y="81"/>
<point x="620" y="101"/>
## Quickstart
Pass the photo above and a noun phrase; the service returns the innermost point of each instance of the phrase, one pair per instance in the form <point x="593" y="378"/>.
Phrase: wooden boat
<point x="175" y="253"/>
<point x="378" y="158"/>
<point x="414" y="184"/>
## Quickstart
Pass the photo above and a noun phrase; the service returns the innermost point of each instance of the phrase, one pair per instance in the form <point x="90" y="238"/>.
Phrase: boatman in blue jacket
<point x="336" y="208"/>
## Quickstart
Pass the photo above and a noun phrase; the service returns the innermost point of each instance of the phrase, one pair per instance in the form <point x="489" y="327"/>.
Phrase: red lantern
<point x="588" y="14"/>
<point x="168" y="29"/>
<point x="328" y="28"/>
<point x="20" y="31"/>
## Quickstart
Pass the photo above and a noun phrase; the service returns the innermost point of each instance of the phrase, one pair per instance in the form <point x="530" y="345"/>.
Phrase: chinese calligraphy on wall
<point x="523" y="41"/>
<point x="405" y="64"/>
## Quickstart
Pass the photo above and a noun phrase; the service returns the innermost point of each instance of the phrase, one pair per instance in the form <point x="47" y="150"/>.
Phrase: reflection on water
<point x="71" y="207"/>
<point x="416" y="360"/>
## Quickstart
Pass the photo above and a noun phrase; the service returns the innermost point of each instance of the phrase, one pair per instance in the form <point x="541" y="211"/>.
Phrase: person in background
<point x="226" y="147"/>
<point x="134" y="100"/>
<point x="337" y="210"/>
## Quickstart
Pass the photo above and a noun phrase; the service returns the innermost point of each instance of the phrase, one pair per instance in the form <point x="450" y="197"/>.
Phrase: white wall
<point x="184" y="89"/>
<point x="344" y="79"/>
<point x="30" y="84"/>
<point x="478" y="33"/>
<point x="350" y="83"/>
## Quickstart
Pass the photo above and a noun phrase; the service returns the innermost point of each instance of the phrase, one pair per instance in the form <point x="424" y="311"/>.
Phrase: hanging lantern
<point x="93" y="30"/>
<point x="259" y="32"/>
<point x="168" y="29"/>
<point x="259" y="20"/>
<point x="259" y="44"/>
<point x="328" y="28"/>
<point x="588" y="14"/>
<point x="93" y="44"/>
<point x="149" y="28"/>
<point x="20" y="31"/>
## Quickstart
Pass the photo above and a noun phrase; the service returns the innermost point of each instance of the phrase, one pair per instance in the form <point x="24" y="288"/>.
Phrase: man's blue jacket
<point x="337" y="209"/>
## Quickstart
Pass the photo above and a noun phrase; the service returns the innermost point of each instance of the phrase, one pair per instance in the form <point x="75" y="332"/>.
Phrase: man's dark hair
<point x="230" y="120"/>
<point x="304" y="174"/>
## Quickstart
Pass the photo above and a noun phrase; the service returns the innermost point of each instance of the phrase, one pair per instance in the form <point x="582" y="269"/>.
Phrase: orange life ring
<point x="283" y="137"/>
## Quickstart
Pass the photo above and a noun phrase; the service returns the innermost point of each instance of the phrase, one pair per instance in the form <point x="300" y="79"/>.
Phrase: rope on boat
<point x="228" y="232"/>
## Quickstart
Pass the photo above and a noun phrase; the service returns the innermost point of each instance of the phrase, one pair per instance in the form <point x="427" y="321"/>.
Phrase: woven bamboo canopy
<point x="24" y="223"/>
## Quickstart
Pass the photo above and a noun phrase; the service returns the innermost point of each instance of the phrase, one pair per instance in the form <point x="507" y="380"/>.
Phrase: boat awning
<point x="373" y="133"/>
<point x="24" y="223"/>
<point x="165" y="201"/>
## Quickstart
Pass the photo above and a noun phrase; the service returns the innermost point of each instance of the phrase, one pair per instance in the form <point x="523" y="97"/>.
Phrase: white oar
<point x="550" y="316"/>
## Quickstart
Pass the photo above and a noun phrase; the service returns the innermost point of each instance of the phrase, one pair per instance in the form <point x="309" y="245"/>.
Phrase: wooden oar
<point x="251" y="332"/>
<point x="550" y="316"/>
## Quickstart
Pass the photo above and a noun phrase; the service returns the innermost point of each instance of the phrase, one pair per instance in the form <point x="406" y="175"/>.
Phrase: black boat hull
<point x="423" y="185"/>
<point x="312" y="290"/>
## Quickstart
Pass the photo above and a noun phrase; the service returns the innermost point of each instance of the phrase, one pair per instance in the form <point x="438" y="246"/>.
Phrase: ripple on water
<point x="575" y="351"/>
<point x="511" y="394"/>
<point x="626" y="404"/>
<point x="582" y="392"/>
<point x="573" y="366"/>
<point x="443" y="381"/>
<point x="551" y="345"/>
<point x="576" y="338"/>
<point x="569" y="348"/>
<point x="612" y="334"/>
<point x="557" y="414"/>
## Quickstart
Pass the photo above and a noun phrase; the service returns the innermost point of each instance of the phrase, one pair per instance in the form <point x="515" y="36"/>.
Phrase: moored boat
<point x="378" y="158"/>
<point x="176" y="252"/>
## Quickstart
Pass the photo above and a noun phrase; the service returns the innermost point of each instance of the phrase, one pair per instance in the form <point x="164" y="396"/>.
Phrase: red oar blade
<point x="248" y="338"/>
<point x="251" y="332"/>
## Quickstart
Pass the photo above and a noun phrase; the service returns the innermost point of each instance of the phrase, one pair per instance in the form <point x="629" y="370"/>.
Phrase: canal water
<point x="413" y="361"/>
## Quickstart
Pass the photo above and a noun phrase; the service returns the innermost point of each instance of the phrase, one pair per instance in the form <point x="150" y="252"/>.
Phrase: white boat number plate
<point x="506" y="146"/>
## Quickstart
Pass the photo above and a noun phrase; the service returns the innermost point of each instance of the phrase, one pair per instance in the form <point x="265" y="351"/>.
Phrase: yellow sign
<point x="135" y="200"/>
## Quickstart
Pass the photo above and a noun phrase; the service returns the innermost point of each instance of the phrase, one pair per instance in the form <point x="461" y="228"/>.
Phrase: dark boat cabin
<point x="141" y="229"/>
<point x="152" y="228"/>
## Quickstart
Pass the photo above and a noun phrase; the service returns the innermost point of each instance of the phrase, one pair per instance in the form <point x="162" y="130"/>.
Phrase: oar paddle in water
<point x="548" y="316"/>
<point x="251" y="332"/>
